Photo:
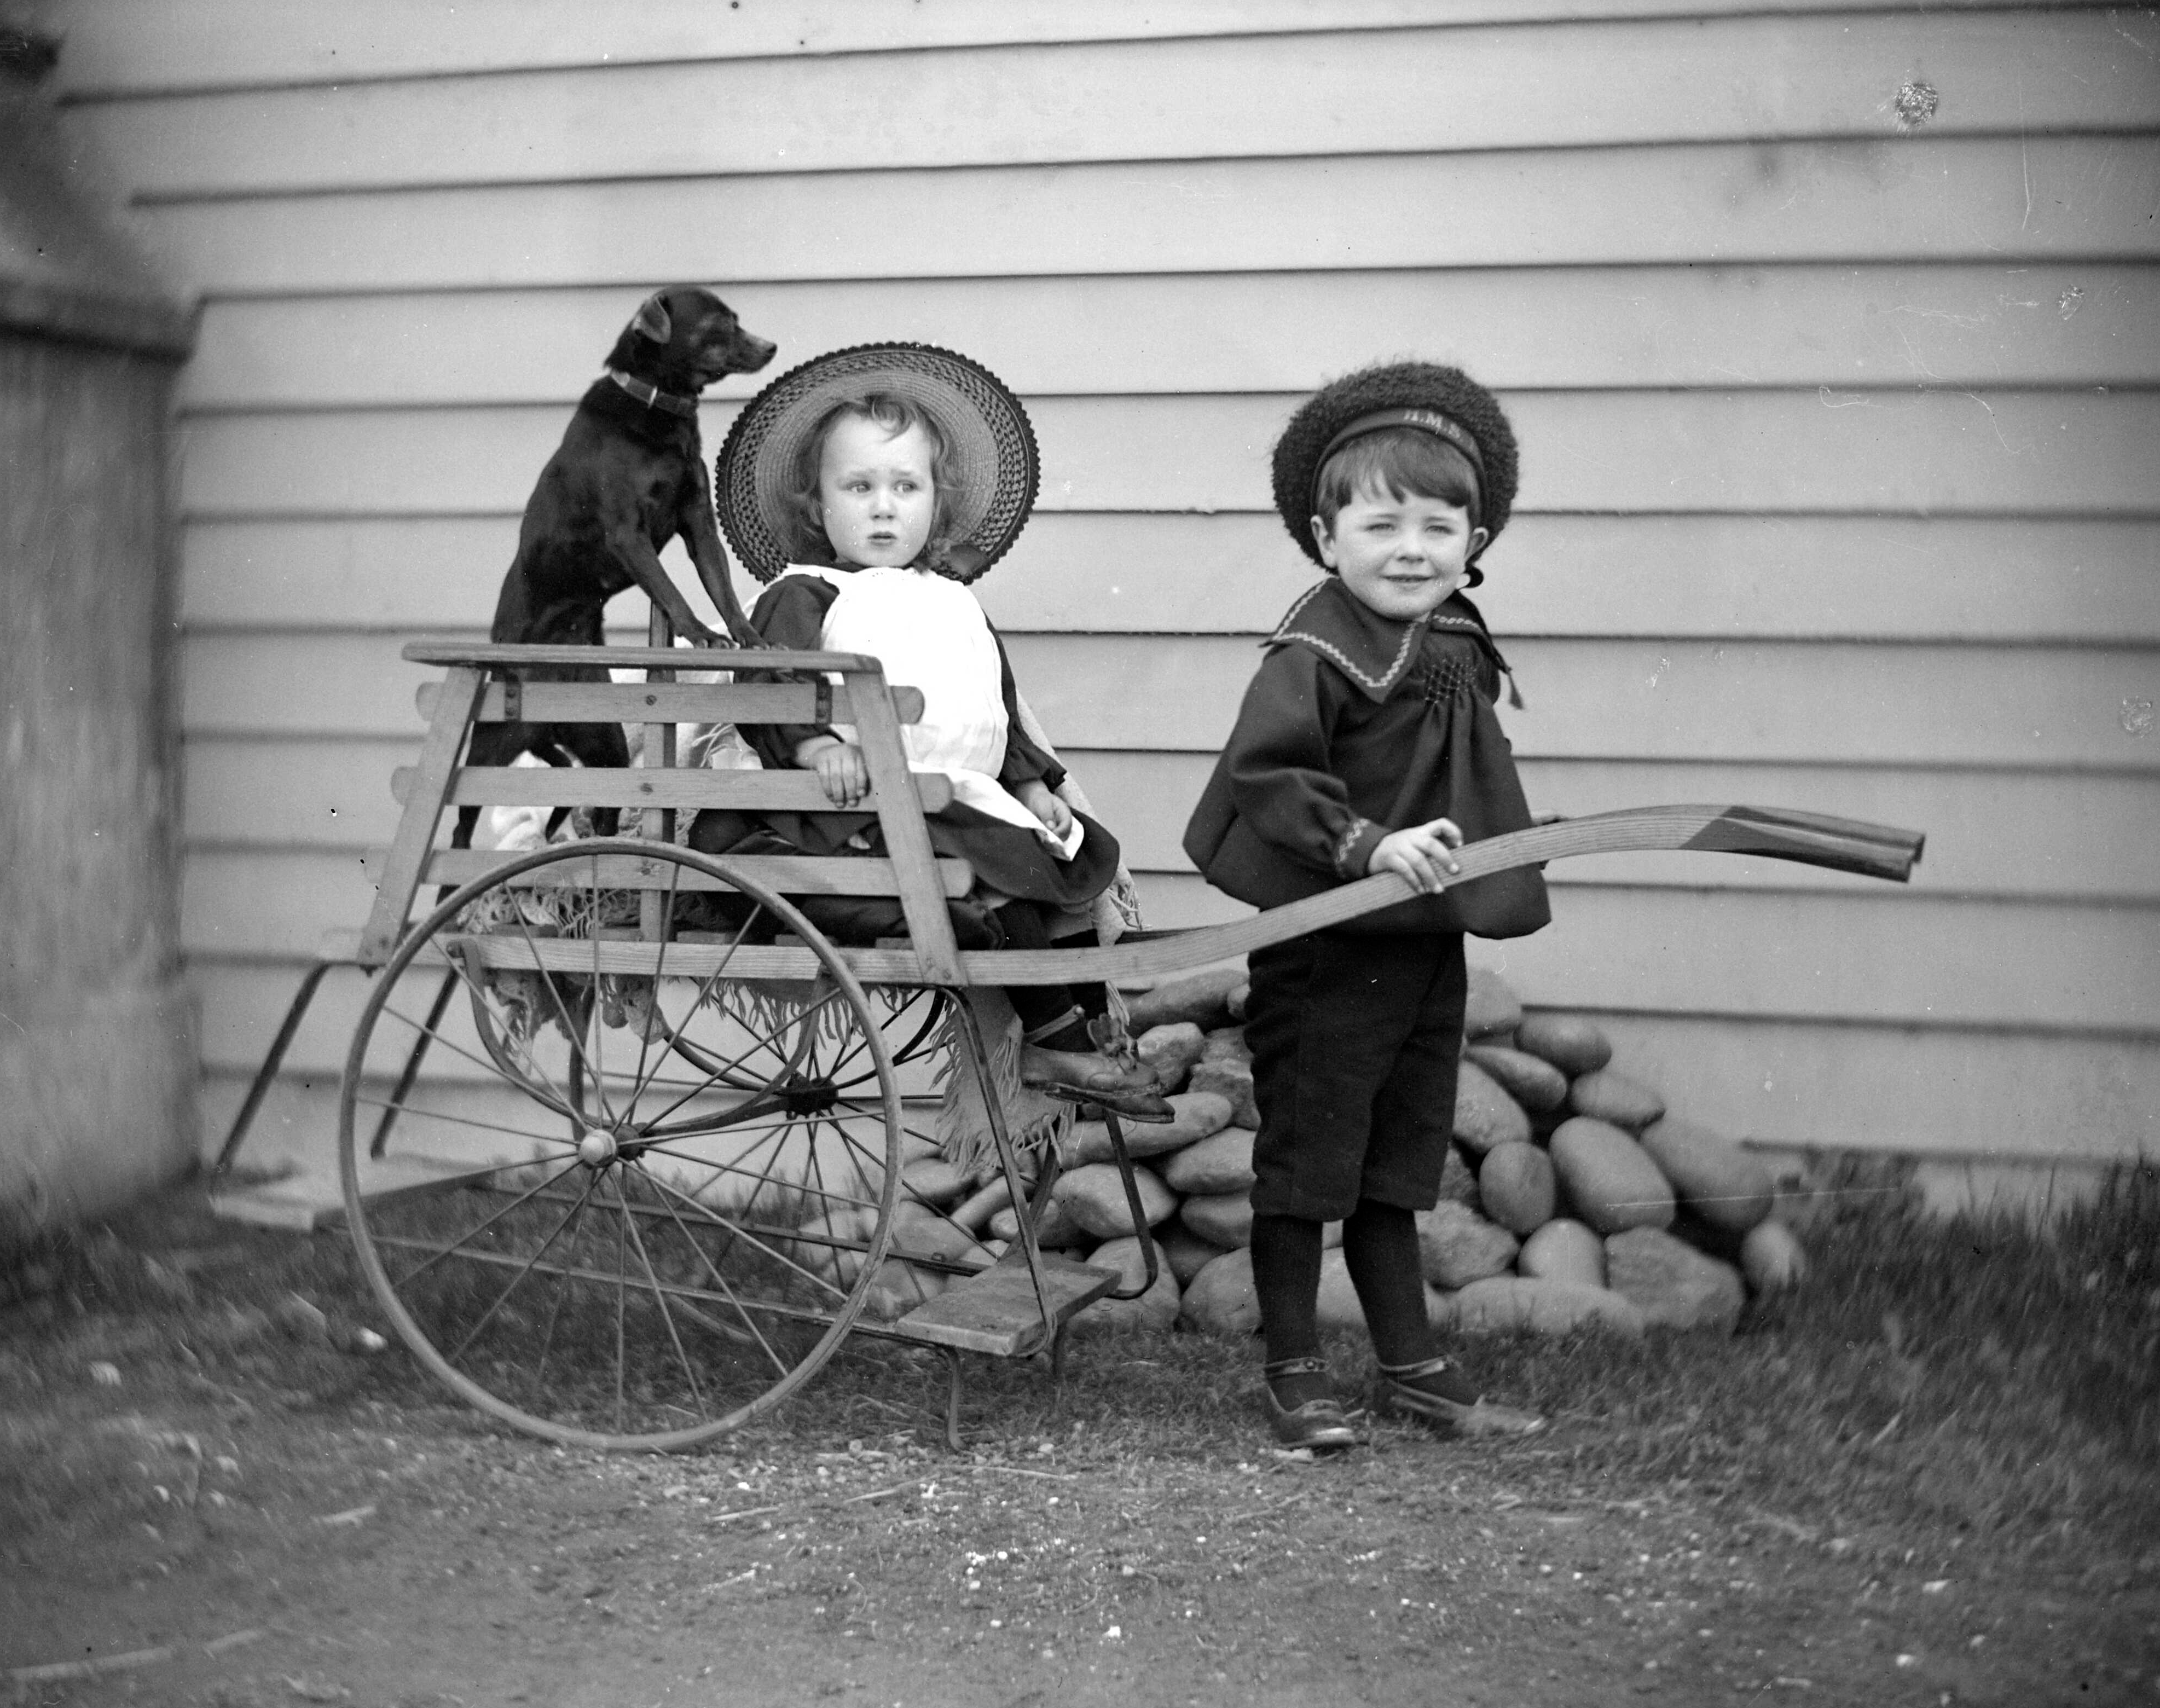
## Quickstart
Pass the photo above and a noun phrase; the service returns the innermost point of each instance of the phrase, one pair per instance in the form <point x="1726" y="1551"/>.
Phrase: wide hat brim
<point x="992" y="447"/>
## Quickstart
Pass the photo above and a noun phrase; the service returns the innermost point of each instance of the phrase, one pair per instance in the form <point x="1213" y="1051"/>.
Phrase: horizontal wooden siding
<point x="1832" y="335"/>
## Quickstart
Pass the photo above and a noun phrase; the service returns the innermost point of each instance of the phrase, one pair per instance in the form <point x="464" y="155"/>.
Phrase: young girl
<point x="869" y="487"/>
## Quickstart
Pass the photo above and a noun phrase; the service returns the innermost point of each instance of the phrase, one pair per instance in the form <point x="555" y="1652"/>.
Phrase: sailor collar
<point x="1375" y="653"/>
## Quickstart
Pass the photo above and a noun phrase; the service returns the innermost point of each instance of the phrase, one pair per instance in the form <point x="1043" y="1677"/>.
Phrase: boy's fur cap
<point x="1402" y="385"/>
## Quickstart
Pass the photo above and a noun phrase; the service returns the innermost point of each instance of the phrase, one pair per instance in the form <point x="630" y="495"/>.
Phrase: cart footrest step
<point x="305" y="1202"/>
<point x="997" y="1311"/>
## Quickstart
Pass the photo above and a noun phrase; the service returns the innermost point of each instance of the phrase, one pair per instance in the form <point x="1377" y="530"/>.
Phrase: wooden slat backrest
<point x="680" y="702"/>
<point x="638" y="789"/>
<point x="657" y="788"/>
<point x="792" y="875"/>
<point x="416" y="829"/>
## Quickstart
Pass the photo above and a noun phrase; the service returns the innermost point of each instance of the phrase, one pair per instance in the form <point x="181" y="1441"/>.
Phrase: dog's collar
<point x="652" y="395"/>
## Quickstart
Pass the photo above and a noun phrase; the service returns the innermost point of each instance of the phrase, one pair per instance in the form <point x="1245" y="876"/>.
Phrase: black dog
<point x="629" y="476"/>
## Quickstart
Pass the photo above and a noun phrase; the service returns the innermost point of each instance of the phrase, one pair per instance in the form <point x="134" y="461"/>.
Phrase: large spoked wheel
<point x="632" y="1197"/>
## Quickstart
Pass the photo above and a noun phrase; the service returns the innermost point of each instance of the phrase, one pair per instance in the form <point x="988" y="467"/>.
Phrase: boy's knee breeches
<point x="1354" y="1040"/>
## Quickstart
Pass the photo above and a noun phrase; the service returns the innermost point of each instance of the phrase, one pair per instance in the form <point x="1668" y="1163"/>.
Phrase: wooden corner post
<point x="899" y="813"/>
<point x="406" y="862"/>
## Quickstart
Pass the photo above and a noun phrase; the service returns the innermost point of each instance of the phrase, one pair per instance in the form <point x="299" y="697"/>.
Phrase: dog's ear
<point x="654" y="320"/>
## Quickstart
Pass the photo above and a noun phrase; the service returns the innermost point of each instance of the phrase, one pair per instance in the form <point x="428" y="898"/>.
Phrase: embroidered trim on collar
<point x="1328" y="619"/>
<point x="1378" y="686"/>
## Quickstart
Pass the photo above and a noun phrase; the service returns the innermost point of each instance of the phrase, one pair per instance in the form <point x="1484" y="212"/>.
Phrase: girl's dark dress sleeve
<point x="790" y="613"/>
<point x="1024" y="762"/>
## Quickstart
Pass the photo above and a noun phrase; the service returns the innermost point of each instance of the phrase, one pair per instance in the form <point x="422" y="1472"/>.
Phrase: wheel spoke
<point x="510" y="1287"/>
<point x="474" y="1233"/>
<point x="621" y="1302"/>
<point x="764" y="1041"/>
<point x="740" y="1154"/>
<point x="407" y="1112"/>
<point x="711" y="980"/>
<point x="719" y="1281"/>
<point x="550" y="1095"/>
<point x="659" y="1298"/>
<point x="572" y="1032"/>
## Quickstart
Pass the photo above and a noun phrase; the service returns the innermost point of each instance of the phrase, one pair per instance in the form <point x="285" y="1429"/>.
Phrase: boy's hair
<point x="1419" y="395"/>
<point x="1400" y="462"/>
<point x="895" y="414"/>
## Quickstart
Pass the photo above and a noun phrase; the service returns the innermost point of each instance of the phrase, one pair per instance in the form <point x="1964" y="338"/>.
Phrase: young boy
<point x="1367" y="743"/>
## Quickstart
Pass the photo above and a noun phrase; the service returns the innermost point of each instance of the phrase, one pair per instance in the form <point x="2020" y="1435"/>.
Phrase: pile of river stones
<point x="1570" y="1199"/>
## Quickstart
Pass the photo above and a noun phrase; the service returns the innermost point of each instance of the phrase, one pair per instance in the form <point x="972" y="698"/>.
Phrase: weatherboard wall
<point x="1841" y="418"/>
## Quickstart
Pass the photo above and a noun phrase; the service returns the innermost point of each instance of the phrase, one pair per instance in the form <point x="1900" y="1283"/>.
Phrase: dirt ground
<point x="223" y="1506"/>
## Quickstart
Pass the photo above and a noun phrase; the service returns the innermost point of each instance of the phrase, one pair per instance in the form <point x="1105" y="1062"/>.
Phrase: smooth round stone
<point x="1222" y="1162"/>
<point x="897" y="1288"/>
<point x="1057" y="1229"/>
<point x="1186" y="1253"/>
<point x="1532" y="1081"/>
<point x="1606" y="1094"/>
<point x="1517" y="1188"/>
<point x="1726" y="1186"/>
<point x="841" y="1262"/>
<point x="1563" y="1250"/>
<point x="1675" y="1285"/>
<point x="1570" y="1042"/>
<point x="1458" y="1181"/>
<point x="1492" y="1010"/>
<point x="1227" y="1044"/>
<point x="1484" y="1114"/>
<point x="1457" y="1245"/>
<point x="1228" y="1077"/>
<point x="1195" y="1114"/>
<point x="1221" y="1218"/>
<point x="1201" y="998"/>
<point x="1607" y="1178"/>
<point x="1772" y="1258"/>
<point x="1094" y="1195"/>
<point x="1155" y="1309"/>
<point x="919" y="1232"/>
<point x="1220" y="1300"/>
<point x="1512" y="1305"/>
<point x="1172" y="1051"/>
<point x="933" y="1181"/>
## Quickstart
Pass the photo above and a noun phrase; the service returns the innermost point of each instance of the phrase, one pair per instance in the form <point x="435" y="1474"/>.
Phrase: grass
<point x="1976" y="1376"/>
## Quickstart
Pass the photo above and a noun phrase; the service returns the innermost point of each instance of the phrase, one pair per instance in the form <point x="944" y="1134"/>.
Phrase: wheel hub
<point x="804" y="1096"/>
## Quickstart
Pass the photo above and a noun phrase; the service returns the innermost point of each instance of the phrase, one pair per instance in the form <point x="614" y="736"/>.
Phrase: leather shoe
<point x="1434" y="1393"/>
<point x="1320" y="1424"/>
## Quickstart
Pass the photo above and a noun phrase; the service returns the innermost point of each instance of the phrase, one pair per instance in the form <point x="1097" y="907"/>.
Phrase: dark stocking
<point x="1380" y="1248"/>
<point x="1039" y="1005"/>
<point x="1286" y="1279"/>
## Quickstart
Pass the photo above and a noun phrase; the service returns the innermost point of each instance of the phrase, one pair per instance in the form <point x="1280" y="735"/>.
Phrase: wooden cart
<point x="622" y="1132"/>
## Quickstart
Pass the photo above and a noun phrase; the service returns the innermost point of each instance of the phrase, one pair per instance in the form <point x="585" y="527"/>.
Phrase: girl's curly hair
<point x="895" y="414"/>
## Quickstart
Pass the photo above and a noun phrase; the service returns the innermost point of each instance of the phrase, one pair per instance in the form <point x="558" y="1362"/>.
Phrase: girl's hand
<point x="1419" y="854"/>
<point x="1056" y="816"/>
<point x="842" y="772"/>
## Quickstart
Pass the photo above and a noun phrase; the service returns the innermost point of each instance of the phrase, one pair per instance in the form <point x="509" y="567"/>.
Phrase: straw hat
<point x="992" y="445"/>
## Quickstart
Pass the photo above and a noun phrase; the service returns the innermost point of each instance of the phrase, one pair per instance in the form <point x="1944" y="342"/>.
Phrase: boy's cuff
<point x="1354" y="848"/>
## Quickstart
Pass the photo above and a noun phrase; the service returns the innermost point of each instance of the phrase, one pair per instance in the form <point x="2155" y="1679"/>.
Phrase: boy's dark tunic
<point x="1354" y="726"/>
